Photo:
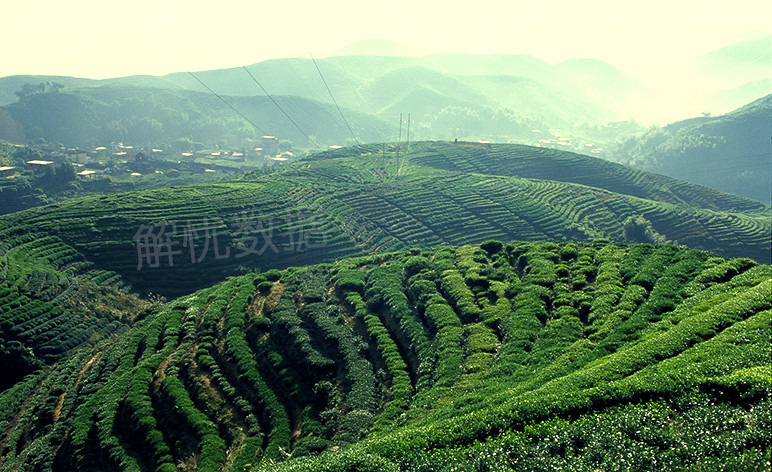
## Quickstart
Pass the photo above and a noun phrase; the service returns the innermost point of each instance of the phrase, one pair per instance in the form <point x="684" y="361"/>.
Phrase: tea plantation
<point x="497" y="356"/>
<point x="437" y="306"/>
<point x="370" y="199"/>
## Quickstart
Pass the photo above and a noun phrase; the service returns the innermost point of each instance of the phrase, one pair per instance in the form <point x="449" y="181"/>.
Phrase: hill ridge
<point x="372" y="202"/>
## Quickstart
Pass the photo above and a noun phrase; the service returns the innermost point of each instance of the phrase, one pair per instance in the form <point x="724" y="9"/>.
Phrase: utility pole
<point x="408" y="130"/>
<point x="399" y="141"/>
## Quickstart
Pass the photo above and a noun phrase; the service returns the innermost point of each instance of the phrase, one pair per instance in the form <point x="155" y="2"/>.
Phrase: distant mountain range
<point x="359" y="95"/>
<point x="380" y="77"/>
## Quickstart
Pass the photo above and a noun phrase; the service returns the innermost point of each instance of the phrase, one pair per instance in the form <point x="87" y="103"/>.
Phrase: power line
<point x="310" y="140"/>
<point x="229" y="105"/>
<point x="333" y="99"/>
<point x="355" y="94"/>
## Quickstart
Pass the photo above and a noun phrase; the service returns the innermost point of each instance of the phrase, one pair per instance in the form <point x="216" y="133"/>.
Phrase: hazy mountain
<point x="155" y="116"/>
<point x="11" y="84"/>
<point x="382" y="87"/>
<point x="718" y="81"/>
<point x="730" y="153"/>
<point x="748" y="60"/>
<point x="603" y="83"/>
<point x="576" y="98"/>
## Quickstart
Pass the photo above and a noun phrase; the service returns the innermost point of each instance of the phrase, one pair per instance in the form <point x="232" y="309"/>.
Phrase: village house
<point x="6" y="171"/>
<point x="270" y="145"/>
<point x="76" y="155"/>
<point x="37" y="165"/>
<point x="86" y="174"/>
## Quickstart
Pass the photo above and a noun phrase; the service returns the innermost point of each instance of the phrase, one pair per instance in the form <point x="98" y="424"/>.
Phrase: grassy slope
<point x="359" y="201"/>
<point x="532" y="356"/>
<point x="70" y="261"/>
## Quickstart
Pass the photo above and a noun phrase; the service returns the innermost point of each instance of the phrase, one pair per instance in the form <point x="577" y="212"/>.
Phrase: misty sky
<point x="108" y="38"/>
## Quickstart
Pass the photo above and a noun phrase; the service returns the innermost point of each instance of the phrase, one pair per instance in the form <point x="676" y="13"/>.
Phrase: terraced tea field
<point x="52" y="299"/>
<point x="368" y="200"/>
<point x="500" y="356"/>
<point x="297" y="339"/>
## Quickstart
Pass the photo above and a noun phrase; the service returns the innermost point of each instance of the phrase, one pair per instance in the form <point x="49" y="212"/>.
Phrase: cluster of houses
<point x="124" y="159"/>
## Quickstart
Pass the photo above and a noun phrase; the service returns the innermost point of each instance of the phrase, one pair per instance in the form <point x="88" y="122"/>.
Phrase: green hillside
<point x="364" y="200"/>
<point x="502" y="356"/>
<point x="730" y="153"/>
<point x="52" y="300"/>
<point x="341" y="203"/>
<point x="371" y="89"/>
<point x="156" y="116"/>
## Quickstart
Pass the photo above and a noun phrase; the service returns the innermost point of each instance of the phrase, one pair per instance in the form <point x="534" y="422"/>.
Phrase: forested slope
<point x="730" y="153"/>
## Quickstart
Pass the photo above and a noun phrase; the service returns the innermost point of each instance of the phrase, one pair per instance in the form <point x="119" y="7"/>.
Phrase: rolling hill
<point x="154" y="116"/>
<point x="500" y="356"/>
<point x="53" y="300"/>
<point x="367" y="199"/>
<point x="343" y="355"/>
<point x="341" y="203"/>
<point x="730" y="153"/>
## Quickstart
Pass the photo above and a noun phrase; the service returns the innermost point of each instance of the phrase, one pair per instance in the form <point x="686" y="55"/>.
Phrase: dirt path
<point x="60" y="402"/>
<point x="276" y="292"/>
<point x="161" y="372"/>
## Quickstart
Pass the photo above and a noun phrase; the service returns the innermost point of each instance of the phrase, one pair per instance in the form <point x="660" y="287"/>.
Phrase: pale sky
<point x="108" y="38"/>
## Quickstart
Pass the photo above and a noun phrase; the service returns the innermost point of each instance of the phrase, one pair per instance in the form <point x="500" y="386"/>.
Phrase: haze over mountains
<point x="378" y="285"/>
<point x="592" y="91"/>
<point x="359" y="95"/>
<point x="730" y="152"/>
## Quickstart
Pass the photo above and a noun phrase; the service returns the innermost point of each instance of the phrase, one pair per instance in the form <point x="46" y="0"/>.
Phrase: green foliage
<point x="661" y="354"/>
<point x="350" y="280"/>
<point x="638" y="229"/>
<point x="492" y="247"/>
